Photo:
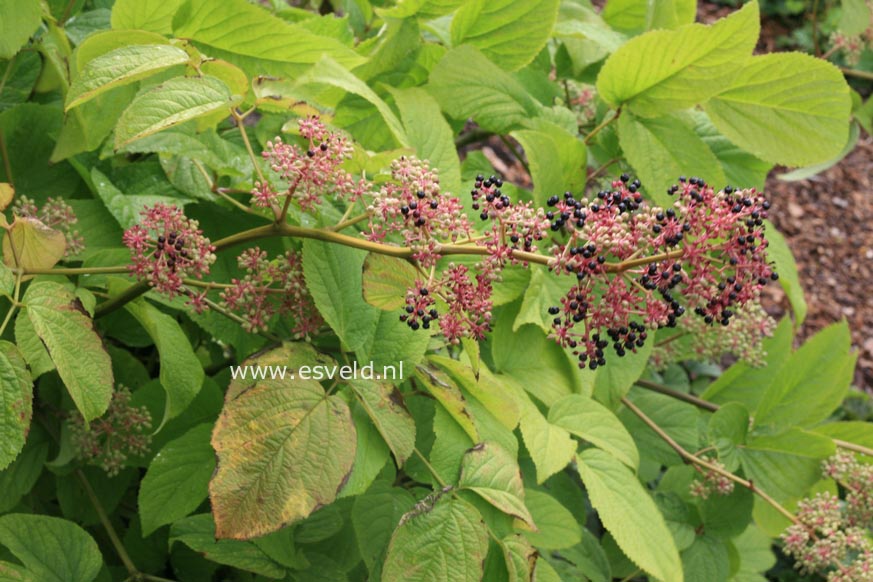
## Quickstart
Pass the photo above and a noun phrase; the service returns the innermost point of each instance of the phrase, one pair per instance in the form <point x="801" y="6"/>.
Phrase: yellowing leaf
<point x="385" y="281"/>
<point x="492" y="473"/>
<point x="36" y="246"/>
<point x="7" y="193"/>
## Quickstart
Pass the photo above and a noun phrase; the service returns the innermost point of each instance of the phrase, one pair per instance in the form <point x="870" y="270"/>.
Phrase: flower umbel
<point x="56" y="214"/>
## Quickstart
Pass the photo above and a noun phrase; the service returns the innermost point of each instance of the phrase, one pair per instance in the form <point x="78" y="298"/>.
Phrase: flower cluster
<point x="852" y="45"/>
<point x="706" y="254"/>
<point x="56" y="214"/>
<point x="413" y="204"/>
<point x="272" y="287"/>
<point x="832" y="536"/>
<point x="111" y="439"/>
<point x="166" y="247"/>
<point x="312" y="173"/>
<point x="711" y="482"/>
<point x="580" y="98"/>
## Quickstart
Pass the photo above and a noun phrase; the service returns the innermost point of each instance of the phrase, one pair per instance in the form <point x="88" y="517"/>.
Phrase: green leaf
<point x="853" y="431"/>
<point x="590" y="420"/>
<point x="756" y="556"/>
<point x="431" y="136"/>
<point x="854" y="17"/>
<point x="785" y="466"/>
<point x="36" y="245"/>
<point x="385" y="407"/>
<point x="557" y="160"/>
<point x="466" y="84"/>
<point x="671" y="13"/>
<point x="16" y="402"/>
<point x="177" y="480"/>
<point x="284" y="448"/>
<point x="198" y="532"/>
<point x="19" y="19"/>
<point x="68" y="334"/>
<point x="150" y="15"/>
<point x="550" y="447"/>
<point x="385" y="281"/>
<point x="614" y="380"/>
<point x="181" y="372"/>
<point x="485" y="387"/>
<point x="509" y="33"/>
<point x="52" y="549"/>
<point x="443" y="528"/>
<point x="663" y="148"/>
<point x="14" y="573"/>
<point x="374" y="517"/>
<point x="126" y="208"/>
<point x="171" y="103"/>
<point x="18" y="479"/>
<point x="249" y="36"/>
<point x="677" y="419"/>
<point x="545" y="290"/>
<point x="740" y="168"/>
<point x="706" y="559"/>
<point x="22" y="73"/>
<point x="493" y="474"/>
<point x="667" y="70"/>
<point x="371" y="454"/>
<point x="120" y="67"/>
<point x="786" y="108"/>
<point x="780" y="253"/>
<point x="520" y="557"/>
<point x="629" y="514"/>
<point x="557" y="528"/>
<point x="813" y="382"/>
<point x="727" y="430"/>
<point x="446" y="392"/>
<point x="726" y="516"/>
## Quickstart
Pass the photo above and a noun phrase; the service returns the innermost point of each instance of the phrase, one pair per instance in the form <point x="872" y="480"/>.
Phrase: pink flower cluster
<point x="711" y="482"/>
<point x="166" y="247"/>
<point x="270" y="288"/>
<point x="832" y="537"/>
<point x="111" y="439"/>
<point x="56" y="214"/>
<point x="311" y="174"/>
<point x="706" y="253"/>
<point x="414" y="205"/>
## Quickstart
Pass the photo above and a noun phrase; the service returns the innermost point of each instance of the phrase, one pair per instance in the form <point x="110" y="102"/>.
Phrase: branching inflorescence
<point x="631" y="267"/>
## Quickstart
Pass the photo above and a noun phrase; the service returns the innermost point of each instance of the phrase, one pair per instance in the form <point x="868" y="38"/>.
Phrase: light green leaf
<point x="667" y="70"/>
<point x="36" y="245"/>
<point x="550" y="447"/>
<point x="727" y="430"/>
<point x="741" y="169"/>
<point x="385" y="407"/>
<point x="19" y="19"/>
<point x="444" y="528"/>
<point x="854" y="17"/>
<point x="68" y="334"/>
<point x="557" y="160"/>
<point x="785" y="466"/>
<point x="706" y="559"/>
<point x="663" y="148"/>
<point x="671" y="13"/>
<point x="16" y="402"/>
<point x="810" y="171"/>
<point x="786" y="108"/>
<point x="813" y="382"/>
<point x="628" y="16"/>
<point x="485" y="387"/>
<point x="590" y="420"/>
<point x="509" y="33"/>
<point x="556" y="526"/>
<point x="493" y="474"/>
<point x="756" y="556"/>
<point x="374" y="517"/>
<point x="629" y="514"/>
<point x="520" y="557"/>
<point x="177" y="479"/>
<point x="198" y="532"/>
<point x="150" y="15"/>
<point x="385" y="281"/>
<point x="284" y="448"/>
<point x="371" y="456"/>
<point x="430" y="135"/>
<point x="614" y="380"/>
<point x="780" y="253"/>
<point x="176" y="101"/>
<point x="446" y="392"/>
<point x="853" y="431"/>
<point x="466" y="84"/>
<point x="52" y="549"/>
<point x="181" y="372"/>
<point x="120" y="67"/>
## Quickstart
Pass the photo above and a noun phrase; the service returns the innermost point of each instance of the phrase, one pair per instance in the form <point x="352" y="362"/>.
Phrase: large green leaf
<point x="198" y="532"/>
<point x="629" y="514"/>
<point x="509" y="33"/>
<point x="813" y="382"/>
<point x="19" y="19"/>
<point x="741" y="169"/>
<point x="455" y="538"/>
<point x="16" y="402"/>
<point x="60" y="321"/>
<point x="466" y="84"/>
<point x="176" y="101"/>
<point x="666" y="70"/>
<point x="854" y="16"/>
<point x="590" y="420"/>
<point x="150" y="15"/>
<point x="756" y="556"/>
<point x="786" y="108"/>
<point x="706" y="559"/>
<point x="181" y="372"/>
<point x="558" y="529"/>
<point x="52" y="549"/>
<point x="177" y="480"/>
<point x="374" y="517"/>
<point x="384" y="405"/>
<point x="284" y="448"/>
<point x="557" y="160"/>
<point x="551" y="447"/>
<point x="493" y="474"/>
<point x="484" y="386"/>
<point x="663" y="148"/>
<point x="120" y="67"/>
<point x="126" y="208"/>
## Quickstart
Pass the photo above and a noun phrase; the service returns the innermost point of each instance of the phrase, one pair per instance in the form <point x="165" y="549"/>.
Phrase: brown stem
<point x="857" y="73"/>
<point x="349" y="222"/>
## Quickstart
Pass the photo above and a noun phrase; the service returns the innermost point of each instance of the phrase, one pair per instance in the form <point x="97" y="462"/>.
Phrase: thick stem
<point x="603" y="124"/>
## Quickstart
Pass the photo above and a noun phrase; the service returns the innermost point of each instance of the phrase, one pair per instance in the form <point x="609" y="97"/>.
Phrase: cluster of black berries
<point x="419" y="309"/>
<point x="414" y="207"/>
<point x="490" y="188"/>
<point x="311" y="152"/>
<point x="172" y="247"/>
<point x="570" y="211"/>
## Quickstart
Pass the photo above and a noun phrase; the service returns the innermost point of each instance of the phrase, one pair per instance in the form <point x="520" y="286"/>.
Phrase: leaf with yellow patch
<point x="386" y="280"/>
<point x="7" y="193"/>
<point x="30" y="244"/>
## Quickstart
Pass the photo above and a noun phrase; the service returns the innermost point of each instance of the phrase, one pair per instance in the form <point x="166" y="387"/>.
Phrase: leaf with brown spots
<point x="284" y="449"/>
<point x="385" y="407"/>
